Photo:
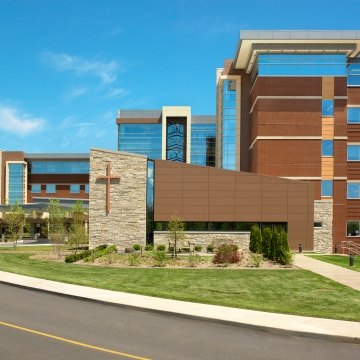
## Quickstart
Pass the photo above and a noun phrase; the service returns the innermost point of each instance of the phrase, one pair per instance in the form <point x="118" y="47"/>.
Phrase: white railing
<point x="350" y="247"/>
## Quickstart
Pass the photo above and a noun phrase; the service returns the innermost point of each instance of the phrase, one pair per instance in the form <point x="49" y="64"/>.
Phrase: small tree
<point x="77" y="231"/>
<point x="56" y="225"/>
<point x="274" y="246"/>
<point x="255" y="240"/>
<point x="266" y="242"/>
<point x="283" y="254"/>
<point x="176" y="229"/>
<point x="15" y="220"/>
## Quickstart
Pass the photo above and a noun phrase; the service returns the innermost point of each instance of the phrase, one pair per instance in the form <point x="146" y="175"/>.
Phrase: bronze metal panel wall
<point x="340" y="86"/>
<point x="210" y="194"/>
<point x="286" y="86"/>
<point x="353" y="133"/>
<point x="287" y="157"/>
<point x="353" y="96"/>
<point x="340" y="156"/>
<point x="340" y="117"/>
<point x="339" y="211"/>
<point x="286" y="117"/>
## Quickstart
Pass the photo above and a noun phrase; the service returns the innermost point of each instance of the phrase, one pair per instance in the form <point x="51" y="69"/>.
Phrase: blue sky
<point x="67" y="66"/>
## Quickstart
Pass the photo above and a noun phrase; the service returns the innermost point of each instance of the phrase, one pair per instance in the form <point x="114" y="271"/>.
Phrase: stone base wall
<point x="323" y="211"/>
<point x="125" y="224"/>
<point x="205" y="238"/>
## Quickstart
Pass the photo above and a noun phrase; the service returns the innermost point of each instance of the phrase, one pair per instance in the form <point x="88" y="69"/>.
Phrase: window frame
<point x="32" y="189"/>
<point x="323" y="147"/>
<point x="347" y="153"/>
<point x="352" y="236"/>
<point x="332" y="188"/>
<point x="347" y="191"/>
<point x="323" y="107"/>
<point x="347" y="115"/>
<point x="72" y="191"/>
<point x="50" y="192"/>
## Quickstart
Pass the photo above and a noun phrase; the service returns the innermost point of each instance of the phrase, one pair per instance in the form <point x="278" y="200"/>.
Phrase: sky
<point x="68" y="66"/>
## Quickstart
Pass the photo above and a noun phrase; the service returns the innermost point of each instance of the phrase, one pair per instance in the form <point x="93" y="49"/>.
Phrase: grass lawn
<point x="339" y="260"/>
<point x="284" y="291"/>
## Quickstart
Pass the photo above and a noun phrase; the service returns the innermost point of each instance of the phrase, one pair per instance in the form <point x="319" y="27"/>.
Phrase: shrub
<point x="79" y="256"/>
<point x="255" y="240"/>
<point x="134" y="259"/>
<point x="198" y="248"/>
<point x="185" y="249"/>
<point x="136" y="247"/>
<point x="128" y="250"/>
<point x="159" y="258"/>
<point x="149" y="247"/>
<point x="256" y="259"/>
<point x="161" y="247"/>
<point x="210" y="248"/>
<point x="98" y="252"/>
<point x="266" y="242"/>
<point x="194" y="260"/>
<point x="284" y="256"/>
<point x="227" y="253"/>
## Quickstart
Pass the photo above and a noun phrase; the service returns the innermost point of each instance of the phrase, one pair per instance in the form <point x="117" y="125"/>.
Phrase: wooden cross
<point x="108" y="177"/>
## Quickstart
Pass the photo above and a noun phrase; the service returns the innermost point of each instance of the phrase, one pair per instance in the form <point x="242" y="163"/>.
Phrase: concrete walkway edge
<point x="344" y="331"/>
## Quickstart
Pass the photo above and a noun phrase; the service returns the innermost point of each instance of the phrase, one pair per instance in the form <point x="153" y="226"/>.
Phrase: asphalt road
<point x="84" y="330"/>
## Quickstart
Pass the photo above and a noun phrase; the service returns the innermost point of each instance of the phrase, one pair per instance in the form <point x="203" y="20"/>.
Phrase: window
<point x="36" y="188"/>
<point x="353" y="115"/>
<point x="326" y="188"/>
<point x="318" y="224"/>
<point x="328" y="107"/>
<point x="144" y="139"/>
<point x="327" y="148"/>
<point x="59" y="167"/>
<point x="86" y="188"/>
<point x="353" y="71"/>
<point x="74" y="189"/>
<point x="16" y="179"/>
<point x="353" y="152"/>
<point x="203" y="139"/>
<point x="353" y="190"/>
<point x="353" y="228"/>
<point x="50" y="188"/>
<point x="302" y="65"/>
<point x="228" y="123"/>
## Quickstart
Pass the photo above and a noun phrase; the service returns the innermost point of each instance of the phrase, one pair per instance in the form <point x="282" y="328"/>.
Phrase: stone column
<point x="125" y="224"/>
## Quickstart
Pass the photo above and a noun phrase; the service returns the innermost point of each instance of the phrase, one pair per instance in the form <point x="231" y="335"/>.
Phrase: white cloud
<point x="116" y="93"/>
<point x="13" y="120"/>
<point x="74" y="93"/>
<point x="106" y="71"/>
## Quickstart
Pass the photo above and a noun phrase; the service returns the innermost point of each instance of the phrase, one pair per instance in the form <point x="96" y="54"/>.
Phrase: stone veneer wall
<point x="125" y="225"/>
<point x="323" y="211"/>
<point x="205" y="238"/>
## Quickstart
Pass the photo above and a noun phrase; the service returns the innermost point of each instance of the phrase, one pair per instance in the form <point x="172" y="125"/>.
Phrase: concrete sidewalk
<point x="346" y="331"/>
<point x="339" y="274"/>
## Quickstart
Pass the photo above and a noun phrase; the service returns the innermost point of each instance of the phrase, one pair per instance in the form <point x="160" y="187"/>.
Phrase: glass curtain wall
<point x="228" y="123"/>
<point x="203" y="139"/>
<point x="59" y="167"/>
<point x="16" y="178"/>
<point x="143" y="139"/>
